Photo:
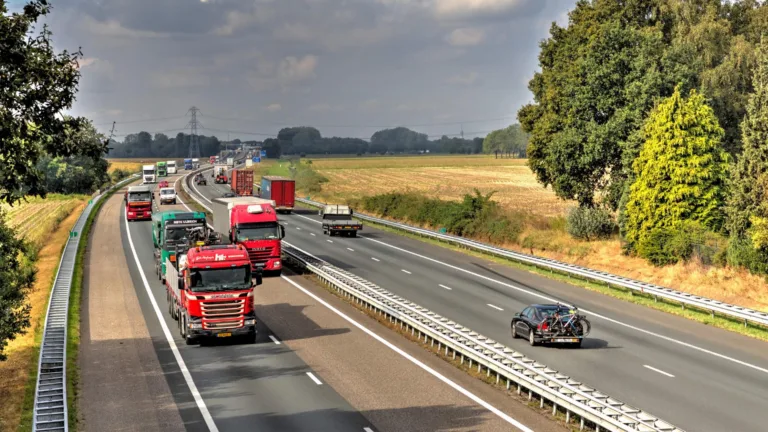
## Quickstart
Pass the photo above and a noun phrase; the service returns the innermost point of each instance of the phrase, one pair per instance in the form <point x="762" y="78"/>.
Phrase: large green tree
<point x="36" y="85"/>
<point x="601" y="75"/>
<point x="681" y="170"/>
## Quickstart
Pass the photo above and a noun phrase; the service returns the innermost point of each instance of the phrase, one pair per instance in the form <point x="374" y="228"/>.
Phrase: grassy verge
<point x="660" y="304"/>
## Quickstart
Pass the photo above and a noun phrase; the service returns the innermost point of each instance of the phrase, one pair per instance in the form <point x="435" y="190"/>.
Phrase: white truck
<point x="195" y="163"/>
<point x="171" y="166"/>
<point x="337" y="219"/>
<point x="149" y="174"/>
<point x="231" y="161"/>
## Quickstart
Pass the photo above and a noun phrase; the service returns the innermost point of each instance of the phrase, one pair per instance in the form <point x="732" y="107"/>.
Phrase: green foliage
<point x="510" y="141"/>
<point x="590" y="223"/>
<point x="680" y="176"/>
<point x="17" y="275"/>
<point x="601" y="74"/>
<point x="307" y="179"/>
<point x="747" y="184"/>
<point x="475" y="216"/>
<point x="664" y="246"/>
<point x="36" y="84"/>
<point x="742" y="253"/>
<point x="144" y="145"/>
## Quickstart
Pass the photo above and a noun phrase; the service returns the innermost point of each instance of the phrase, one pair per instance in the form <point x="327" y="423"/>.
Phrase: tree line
<point x="144" y="145"/>
<point x="656" y="112"/>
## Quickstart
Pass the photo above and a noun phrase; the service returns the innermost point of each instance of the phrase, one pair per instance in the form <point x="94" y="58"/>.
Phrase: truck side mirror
<point x="282" y="232"/>
<point x="319" y="212"/>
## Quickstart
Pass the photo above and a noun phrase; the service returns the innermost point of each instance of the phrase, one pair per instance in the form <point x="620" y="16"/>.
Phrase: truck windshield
<point x="149" y="172"/>
<point x="139" y="196"/>
<point x="221" y="279"/>
<point x="179" y="234"/>
<point x="265" y="231"/>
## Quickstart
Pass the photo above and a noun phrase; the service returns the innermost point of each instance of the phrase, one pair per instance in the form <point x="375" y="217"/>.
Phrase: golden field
<point x="444" y="177"/>
<point x="450" y="177"/>
<point x="131" y="165"/>
<point x="46" y="223"/>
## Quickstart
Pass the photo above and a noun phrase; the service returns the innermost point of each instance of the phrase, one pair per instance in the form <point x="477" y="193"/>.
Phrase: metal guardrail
<point x="50" y="408"/>
<point x="685" y="299"/>
<point x="574" y="397"/>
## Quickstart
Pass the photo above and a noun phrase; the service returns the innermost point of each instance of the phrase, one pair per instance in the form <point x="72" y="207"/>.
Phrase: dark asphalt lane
<point x="666" y="365"/>
<point x="263" y="386"/>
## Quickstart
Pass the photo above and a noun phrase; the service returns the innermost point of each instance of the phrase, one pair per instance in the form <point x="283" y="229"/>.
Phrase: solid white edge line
<point x="274" y="339"/>
<point x="177" y="355"/>
<point x="446" y="287"/>
<point x="659" y="371"/>
<point x="367" y="429"/>
<point x="405" y="271"/>
<point x="376" y="259"/>
<point x="552" y="300"/>
<point x="314" y="378"/>
<point x="495" y="307"/>
<point x="413" y="360"/>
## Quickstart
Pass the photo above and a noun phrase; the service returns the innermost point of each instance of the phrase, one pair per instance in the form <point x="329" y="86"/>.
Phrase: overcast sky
<point x="349" y="67"/>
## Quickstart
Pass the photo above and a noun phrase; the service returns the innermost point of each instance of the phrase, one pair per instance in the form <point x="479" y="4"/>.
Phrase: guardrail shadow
<point x="302" y="327"/>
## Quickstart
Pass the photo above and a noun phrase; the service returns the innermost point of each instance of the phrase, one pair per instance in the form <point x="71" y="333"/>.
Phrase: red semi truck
<point x="252" y="223"/>
<point x="242" y="182"/>
<point x="211" y="293"/>
<point x="281" y="190"/>
<point x="138" y="203"/>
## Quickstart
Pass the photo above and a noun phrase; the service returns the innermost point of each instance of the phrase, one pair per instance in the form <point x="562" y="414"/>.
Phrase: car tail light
<point x="543" y="326"/>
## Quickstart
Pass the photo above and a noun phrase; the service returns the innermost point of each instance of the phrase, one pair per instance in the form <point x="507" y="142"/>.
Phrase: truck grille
<point x="222" y="325"/>
<point x="260" y="256"/>
<point x="223" y="309"/>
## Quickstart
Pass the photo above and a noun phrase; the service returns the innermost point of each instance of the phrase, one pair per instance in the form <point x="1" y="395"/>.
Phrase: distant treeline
<point x="308" y="140"/>
<point x="143" y="144"/>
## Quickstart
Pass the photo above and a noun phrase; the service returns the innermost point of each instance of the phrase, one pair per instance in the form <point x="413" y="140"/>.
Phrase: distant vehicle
<point x="195" y="163"/>
<point x="171" y="167"/>
<point x="231" y="161"/>
<point x="337" y="219"/>
<point x="167" y="195"/>
<point x="163" y="184"/>
<point x="220" y="173"/>
<point x="229" y="195"/>
<point x="162" y="169"/>
<point x="242" y="182"/>
<point x="149" y="173"/>
<point x="138" y="203"/>
<point x="550" y="323"/>
<point x="281" y="190"/>
<point x="212" y="159"/>
<point x="200" y="180"/>
<point x="188" y="164"/>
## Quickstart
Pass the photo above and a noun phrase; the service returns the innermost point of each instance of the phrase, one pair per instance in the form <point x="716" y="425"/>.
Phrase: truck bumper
<point x="272" y="264"/>
<point x="138" y="215"/>
<point x="249" y="328"/>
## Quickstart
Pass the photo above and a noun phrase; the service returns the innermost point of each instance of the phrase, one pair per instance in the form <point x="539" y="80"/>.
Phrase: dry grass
<point x="131" y="165"/>
<point x="450" y="177"/>
<point x="21" y="351"/>
<point x="444" y="177"/>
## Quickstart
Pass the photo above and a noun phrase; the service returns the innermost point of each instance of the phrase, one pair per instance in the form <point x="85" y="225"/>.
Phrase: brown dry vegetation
<point x="450" y="177"/>
<point x="131" y="165"/>
<point x="21" y="351"/>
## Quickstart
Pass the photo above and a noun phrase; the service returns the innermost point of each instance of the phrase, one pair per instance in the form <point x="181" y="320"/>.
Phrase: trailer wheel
<point x="353" y="234"/>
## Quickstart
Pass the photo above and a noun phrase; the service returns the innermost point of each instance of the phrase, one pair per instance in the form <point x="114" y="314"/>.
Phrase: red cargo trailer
<point x="242" y="182"/>
<point x="281" y="190"/>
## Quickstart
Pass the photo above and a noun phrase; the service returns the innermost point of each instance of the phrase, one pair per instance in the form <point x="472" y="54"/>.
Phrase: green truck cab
<point x="162" y="169"/>
<point x="170" y="229"/>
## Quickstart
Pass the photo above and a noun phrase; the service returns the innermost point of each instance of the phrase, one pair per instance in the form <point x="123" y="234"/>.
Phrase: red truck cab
<point x="138" y="203"/>
<point x="251" y="223"/>
<point x="211" y="293"/>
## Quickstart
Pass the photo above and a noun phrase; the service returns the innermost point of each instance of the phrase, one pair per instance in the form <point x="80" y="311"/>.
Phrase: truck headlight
<point x="277" y="263"/>
<point x="196" y="326"/>
<point x="250" y="321"/>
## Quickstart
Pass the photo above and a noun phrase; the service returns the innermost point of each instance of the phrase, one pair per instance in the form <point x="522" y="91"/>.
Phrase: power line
<point x="366" y="126"/>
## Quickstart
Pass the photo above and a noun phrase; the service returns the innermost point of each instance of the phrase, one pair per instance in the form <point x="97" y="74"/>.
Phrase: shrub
<point x="664" y="246"/>
<point x="586" y="223"/>
<point x="741" y="253"/>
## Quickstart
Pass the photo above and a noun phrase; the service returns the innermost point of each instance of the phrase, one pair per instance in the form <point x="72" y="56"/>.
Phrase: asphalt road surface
<point x="697" y="377"/>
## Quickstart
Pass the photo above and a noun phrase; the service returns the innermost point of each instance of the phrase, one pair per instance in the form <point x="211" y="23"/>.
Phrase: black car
<point x="550" y="323"/>
<point x="229" y="195"/>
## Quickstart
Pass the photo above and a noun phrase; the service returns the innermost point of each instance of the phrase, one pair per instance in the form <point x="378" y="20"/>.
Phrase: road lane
<point x="707" y="392"/>
<point x="244" y="387"/>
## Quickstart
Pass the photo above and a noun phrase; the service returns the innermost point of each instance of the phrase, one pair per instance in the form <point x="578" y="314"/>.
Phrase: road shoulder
<point x="122" y="386"/>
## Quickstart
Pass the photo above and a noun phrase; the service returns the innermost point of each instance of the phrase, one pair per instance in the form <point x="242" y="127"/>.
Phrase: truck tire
<point x="353" y="234"/>
<point x="251" y="337"/>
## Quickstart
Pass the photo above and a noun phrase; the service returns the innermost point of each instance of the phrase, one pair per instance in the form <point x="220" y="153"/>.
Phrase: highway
<point x="263" y="386"/>
<point x="697" y="377"/>
<point x="330" y="374"/>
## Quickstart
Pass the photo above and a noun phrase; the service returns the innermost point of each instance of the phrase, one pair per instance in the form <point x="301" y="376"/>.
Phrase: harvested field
<point x="444" y="177"/>
<point x="47" y="224"/>
<point x="132" y="165"/>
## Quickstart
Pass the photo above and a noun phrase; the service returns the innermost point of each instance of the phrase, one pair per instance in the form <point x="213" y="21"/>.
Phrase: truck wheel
<point x="353" y="234"/>
<point x="251" y="337"/>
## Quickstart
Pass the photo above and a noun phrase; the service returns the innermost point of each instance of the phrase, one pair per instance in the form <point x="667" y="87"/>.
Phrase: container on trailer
<point x="281" y="190"/>
<point x="242" y="182"/>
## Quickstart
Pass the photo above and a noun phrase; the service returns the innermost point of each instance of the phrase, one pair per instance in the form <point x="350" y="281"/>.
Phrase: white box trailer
<point x="171" y="167"/>
<point x="221" y="207"/>
<point x="248" y="163"/>
<point x="149" y="174"/>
